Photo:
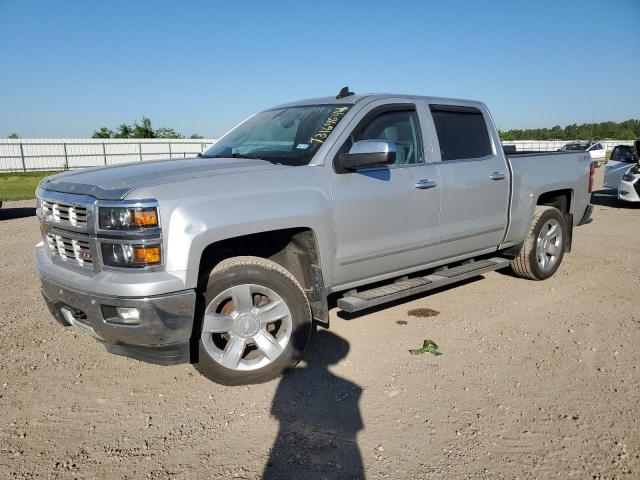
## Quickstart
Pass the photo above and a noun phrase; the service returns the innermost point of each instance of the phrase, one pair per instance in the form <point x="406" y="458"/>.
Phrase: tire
<point x="237" y="345"/>
<point x="542" y="253"/>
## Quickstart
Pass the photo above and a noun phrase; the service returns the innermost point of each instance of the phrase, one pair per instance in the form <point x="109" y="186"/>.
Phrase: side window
<point x="399" y="127"/>
<point x="462" y="132"/>
<point x="616" y="154"/>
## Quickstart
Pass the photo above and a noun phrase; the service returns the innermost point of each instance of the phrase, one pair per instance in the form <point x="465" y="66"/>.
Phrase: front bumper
<point x="162" y="334"/>
<point x="629" y="191"/>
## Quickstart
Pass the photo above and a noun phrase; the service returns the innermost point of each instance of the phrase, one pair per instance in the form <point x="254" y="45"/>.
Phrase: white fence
<point x="49" y="154"/>
<point x="553" y="145"/>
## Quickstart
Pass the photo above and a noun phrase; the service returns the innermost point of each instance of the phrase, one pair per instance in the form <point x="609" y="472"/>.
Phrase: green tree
<point x="104" y="132"/>
<point x="13" y="135"/>
<point x="163" y="132"/>
<point x="627" y="130"/>
<point x="196" y="136"/>
<point x="124" y="131"/>
<point x="143" y="129"/>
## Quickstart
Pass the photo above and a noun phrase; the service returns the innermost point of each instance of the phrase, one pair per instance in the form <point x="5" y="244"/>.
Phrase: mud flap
<point x="568" y="218"/>
<point x="318" y="298"/>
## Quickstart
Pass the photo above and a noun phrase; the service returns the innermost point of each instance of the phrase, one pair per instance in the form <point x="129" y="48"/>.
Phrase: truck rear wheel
<point x="544" y="246"/>
<point x="256" y="322"/>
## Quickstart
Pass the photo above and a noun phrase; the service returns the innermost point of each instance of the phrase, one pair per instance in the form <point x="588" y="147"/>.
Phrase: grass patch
<point x="20" y="186"/>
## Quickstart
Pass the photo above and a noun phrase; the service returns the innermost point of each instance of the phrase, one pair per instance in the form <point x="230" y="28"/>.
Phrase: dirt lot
<point x="536" y="380"/>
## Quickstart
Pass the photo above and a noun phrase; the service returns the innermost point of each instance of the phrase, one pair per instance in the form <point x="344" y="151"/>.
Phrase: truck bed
<point x="535" y="173"/>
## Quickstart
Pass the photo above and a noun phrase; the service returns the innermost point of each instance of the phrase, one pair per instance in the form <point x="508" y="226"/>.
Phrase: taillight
<point x="592" y="171"/>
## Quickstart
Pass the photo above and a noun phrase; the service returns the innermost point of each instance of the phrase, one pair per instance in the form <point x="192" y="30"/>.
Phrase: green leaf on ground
<point x="428" y="346"/>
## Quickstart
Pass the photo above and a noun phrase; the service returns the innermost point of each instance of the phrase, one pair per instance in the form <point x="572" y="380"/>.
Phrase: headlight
<point x="130" y="255"/>
<point x="127" y="218"/>
<point x="627" y="178"/>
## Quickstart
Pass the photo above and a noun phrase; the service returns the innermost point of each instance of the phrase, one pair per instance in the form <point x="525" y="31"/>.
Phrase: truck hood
<point x="116" y="182"/>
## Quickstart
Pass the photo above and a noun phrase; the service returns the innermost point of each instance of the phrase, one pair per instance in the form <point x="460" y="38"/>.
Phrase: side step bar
<point x="356" y="301"/>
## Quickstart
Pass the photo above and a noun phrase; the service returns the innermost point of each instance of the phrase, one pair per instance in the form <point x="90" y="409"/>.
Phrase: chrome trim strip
<point x="463" y="237"/>
<point x="387" y="254"/>
<point x="415" y="247"/>
<point x="467" y="160"/>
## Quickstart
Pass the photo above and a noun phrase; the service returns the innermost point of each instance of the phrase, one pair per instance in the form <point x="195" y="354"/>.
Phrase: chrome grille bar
<point x="69" y="249"/>
<point x="63" y="213"/>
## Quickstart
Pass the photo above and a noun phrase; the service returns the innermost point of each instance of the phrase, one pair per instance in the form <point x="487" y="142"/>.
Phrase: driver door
<point x="385" y="222"/>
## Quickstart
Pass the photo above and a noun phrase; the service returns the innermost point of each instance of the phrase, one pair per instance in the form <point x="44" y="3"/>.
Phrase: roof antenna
<point x="344" y="93"/>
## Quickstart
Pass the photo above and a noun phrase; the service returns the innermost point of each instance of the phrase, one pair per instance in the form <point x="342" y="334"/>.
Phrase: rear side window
<point x="462" y="132"/>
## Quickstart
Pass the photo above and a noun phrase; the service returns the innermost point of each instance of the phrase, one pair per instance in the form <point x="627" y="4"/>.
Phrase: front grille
<point x="70" y="249"/>
<point x="65" y="213"/>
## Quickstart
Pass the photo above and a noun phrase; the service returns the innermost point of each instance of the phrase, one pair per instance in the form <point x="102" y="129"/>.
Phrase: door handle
<point x="425" y="184"/>
<point x="497" y="176"/>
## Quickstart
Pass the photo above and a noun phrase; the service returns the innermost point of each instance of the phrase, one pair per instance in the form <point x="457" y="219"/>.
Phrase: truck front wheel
<point x="543" y="249"/>
<point x="256" y="322"/>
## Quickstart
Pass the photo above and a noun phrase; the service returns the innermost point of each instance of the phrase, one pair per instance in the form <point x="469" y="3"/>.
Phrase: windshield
<point x="289" y="136"/>
<point x="622" y="152"/>
<point x="575" y="146"/>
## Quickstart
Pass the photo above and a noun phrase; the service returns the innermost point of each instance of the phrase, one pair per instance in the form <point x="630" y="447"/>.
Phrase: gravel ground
<point x="535" y="380"/>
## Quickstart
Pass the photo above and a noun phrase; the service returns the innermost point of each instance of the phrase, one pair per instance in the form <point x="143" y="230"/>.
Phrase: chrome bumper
<point x="109" y="283"/>
<point x="162" y="334"/>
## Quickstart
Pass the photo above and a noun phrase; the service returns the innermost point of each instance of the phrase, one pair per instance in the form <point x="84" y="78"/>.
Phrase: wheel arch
<point x="562" y="200"/>
<point x="296" y="249"/>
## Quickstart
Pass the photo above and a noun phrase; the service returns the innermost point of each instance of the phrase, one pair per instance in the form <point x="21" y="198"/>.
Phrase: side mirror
<point x="368" y="153"/>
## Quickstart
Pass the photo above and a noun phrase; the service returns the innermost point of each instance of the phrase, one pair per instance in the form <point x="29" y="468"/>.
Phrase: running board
<point x="356" y="301"/>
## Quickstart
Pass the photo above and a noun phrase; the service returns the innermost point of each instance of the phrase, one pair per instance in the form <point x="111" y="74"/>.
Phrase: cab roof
<point x="355" y="98"/>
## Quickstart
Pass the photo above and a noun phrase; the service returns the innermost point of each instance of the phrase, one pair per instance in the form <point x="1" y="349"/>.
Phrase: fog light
<point x="128" y="315"/>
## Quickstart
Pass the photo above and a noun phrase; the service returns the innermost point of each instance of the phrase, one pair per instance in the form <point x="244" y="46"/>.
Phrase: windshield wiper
<point x="231" y="155"/>
<point x="273" y="160"/>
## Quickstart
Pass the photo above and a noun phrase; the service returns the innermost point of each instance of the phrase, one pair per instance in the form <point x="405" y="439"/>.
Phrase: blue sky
<point x="70" y="67"/>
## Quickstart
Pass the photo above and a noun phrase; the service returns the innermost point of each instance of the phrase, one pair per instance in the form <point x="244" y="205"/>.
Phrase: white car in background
<point x="596" y="149"/>
<point x="623" y="172"/>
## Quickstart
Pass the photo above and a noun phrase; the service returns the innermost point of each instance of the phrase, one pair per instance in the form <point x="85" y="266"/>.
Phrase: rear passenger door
<point x="474" y="181"/>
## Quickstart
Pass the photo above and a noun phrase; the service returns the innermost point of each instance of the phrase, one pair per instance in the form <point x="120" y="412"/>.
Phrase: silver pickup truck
<point x="227" y="260"/>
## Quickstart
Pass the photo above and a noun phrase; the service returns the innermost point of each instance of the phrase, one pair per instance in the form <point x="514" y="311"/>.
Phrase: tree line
<point x="627" y="130"/>
<point x="139" y="130"/>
